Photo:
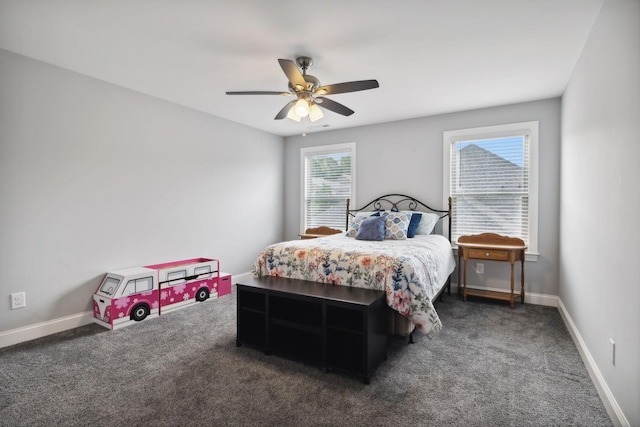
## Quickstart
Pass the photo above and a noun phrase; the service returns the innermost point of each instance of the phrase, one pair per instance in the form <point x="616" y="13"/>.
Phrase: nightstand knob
<point x="486" y="254"/>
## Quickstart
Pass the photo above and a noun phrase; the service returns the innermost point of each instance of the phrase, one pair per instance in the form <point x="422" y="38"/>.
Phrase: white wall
<point x="95" y="177"/>
<point x="406" y="157"/>
<point x="600" y="206"/>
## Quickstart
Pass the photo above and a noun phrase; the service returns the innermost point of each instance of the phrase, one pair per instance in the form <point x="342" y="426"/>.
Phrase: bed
<point x="393" y="243"/>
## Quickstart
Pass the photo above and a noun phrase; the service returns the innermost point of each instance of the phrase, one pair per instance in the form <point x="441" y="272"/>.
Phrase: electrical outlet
<point x="18" y="300"/>
<point x="612" y="352"/>
<point x="480" y="268"/>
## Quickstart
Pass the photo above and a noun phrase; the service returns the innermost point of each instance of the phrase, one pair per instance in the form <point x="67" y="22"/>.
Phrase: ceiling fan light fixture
<point x="301" y="108"/>
<point x="315" y="113"/>
<point x="292" y="115"/>
<point x="308" y="92"/>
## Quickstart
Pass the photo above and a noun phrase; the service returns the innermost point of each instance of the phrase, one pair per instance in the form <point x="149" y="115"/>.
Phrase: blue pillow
<point x="413" y="224"/>
<point x="372" y="229"/>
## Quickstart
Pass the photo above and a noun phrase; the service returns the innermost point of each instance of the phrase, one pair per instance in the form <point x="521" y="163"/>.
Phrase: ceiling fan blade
<point x="283" y="113"/>
<point x="347" y="87"/>
<point x="334" y="106"/>
<point x="260" y="92"/>
<point x="293" y="73"/>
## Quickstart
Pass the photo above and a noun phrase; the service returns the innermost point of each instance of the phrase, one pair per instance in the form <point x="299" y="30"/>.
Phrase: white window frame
<point x="320" y="150"/>
<point x="499" y="131"/>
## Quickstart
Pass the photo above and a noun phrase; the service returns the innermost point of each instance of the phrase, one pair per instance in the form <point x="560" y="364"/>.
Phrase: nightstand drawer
<point x="494" y="254"/>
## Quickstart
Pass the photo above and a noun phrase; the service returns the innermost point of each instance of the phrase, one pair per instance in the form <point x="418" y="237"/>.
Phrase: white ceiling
<point x="429" y="56"/>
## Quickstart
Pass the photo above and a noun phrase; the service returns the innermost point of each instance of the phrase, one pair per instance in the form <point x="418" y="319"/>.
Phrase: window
<point x="176" y="277"/>
<point x="109" y="285"/>
<point x="491" y="175"/>
<point x="203" y="272"/>
<point x="328" y="180"/>
<point x="136" y="286"/>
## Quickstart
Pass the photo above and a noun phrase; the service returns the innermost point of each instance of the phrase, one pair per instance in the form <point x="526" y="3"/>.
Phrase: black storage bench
<point x="336" y="327"/>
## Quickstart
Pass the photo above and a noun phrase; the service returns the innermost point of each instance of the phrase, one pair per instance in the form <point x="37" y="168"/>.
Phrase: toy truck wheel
<point x="202" y="294"/>
<point x="139" y="312"/>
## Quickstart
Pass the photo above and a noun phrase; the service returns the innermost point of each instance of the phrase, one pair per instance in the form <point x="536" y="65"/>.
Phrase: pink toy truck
<point x="139" y="293"/>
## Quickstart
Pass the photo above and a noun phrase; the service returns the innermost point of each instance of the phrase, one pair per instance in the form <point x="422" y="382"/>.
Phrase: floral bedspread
<point x="410" y="271"/>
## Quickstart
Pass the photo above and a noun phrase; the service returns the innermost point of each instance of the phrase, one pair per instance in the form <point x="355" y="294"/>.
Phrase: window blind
<point x="327" y="183"/>
<point x="490" y="186"/>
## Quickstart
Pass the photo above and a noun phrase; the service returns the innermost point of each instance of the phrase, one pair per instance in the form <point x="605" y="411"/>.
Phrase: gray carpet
<point x="490" y="365"/>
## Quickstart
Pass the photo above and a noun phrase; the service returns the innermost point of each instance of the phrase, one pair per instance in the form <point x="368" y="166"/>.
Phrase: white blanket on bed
<point x="410" y="271"/>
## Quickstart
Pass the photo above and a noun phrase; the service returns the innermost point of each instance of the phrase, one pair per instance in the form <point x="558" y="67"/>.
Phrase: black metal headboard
<point x="398" y="202"/>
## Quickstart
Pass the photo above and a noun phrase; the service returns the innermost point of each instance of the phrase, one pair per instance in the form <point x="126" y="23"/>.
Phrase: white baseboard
<point x="529" y="298"/>
<point x="609" y="401"/>
<point x="39" y="330"/>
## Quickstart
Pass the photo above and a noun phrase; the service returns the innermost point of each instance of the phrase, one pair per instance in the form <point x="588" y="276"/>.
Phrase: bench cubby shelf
<point x="336" y="327"/>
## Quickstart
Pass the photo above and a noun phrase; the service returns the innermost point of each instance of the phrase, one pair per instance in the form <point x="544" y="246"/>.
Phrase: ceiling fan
<point x="308" y="92"/>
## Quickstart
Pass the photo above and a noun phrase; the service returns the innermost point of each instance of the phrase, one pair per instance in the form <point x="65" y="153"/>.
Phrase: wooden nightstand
<point x="492" y="247"/>
<point x="312" y="233"/>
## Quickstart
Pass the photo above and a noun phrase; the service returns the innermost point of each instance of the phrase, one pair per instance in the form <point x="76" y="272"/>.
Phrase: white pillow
<point x="427" y="223"/>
